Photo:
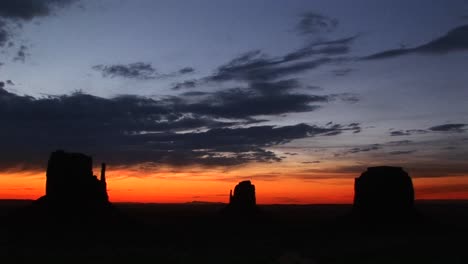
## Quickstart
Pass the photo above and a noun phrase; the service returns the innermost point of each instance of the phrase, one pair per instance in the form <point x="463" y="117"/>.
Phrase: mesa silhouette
<point x="70" y="182"/>
<point x="383" y="192"/>
<point x="74" y="196"/>
<point x="243" y="201"/>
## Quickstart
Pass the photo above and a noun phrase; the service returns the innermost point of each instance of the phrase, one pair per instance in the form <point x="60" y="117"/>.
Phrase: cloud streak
<point x="256" y="66"/>
<point x="267" y="85"/>
<point x="314" y="23"/>
<point x="25" y="10"/>
<point x="137" y="71"/>
<point x="409" y="132"/>
<point x="453" y="41"/>
<point x="449" y="128"/>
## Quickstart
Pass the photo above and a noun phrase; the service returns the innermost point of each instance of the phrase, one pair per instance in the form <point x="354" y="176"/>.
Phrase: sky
<point x="183" y="99"/>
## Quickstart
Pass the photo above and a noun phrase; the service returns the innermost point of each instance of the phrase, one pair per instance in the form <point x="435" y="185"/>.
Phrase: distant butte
<point x="244" y="195"/>
<point x="383" y="192"/>
<point x="243" y="200"/>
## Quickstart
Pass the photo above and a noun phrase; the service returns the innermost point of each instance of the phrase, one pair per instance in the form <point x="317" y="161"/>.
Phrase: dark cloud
<point x="455" y="40"/>
<point x="449" y="128"/>
<point x="185" y="84"/>
<point x="275" y="87"/>
<point x="314" y="23"/>
<point x="137" y="70"/>
<point x="21" y="54"/>
<point x="260" y="84"/>
<point x="14" y="13"/>
<point x="194" y="93"/>
<point x="345" y="97"/>
<point x="267" y="85"/>
<point x="364" y="149"/>
<point x="375" y="147"/>
<point x="356" y="127"/>
<point x="29" y="9"/>
<point x="409" y="132"/>
<point x="323" y="47"/>
<point x="259" y="98"/>
<point x="399" y="143"/>
<point x="399" y="133"/>
<point x="255" y="66"/>
<point x="128" y="130"/>
<point x="4" y="34"/>
<point x="7" y="82"/>
<point x="401" y="152"/>
<point x="186" y="70"/>
<point x="245" y="103"/>
<point x="311" y="162"/>
<point x="342" y="72"/>
<point x="381" y="146"/>
<point x="439" y="128"/>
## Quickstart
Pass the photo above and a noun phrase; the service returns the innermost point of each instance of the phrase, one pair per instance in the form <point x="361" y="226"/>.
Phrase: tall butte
<point x="243" y="200"/>
<point x="70" y="182"/>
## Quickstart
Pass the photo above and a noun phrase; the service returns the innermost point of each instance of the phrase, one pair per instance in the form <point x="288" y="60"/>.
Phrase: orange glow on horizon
<point x="180" y="186"/>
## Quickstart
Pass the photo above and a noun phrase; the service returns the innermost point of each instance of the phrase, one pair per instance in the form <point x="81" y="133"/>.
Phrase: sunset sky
<point x="183" y="99"/>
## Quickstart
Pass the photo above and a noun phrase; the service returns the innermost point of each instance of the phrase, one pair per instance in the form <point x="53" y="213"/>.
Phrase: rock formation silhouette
<point x="70" y="182"/>
<point x="75" y="209"/>
<point x="384" y="192"/>
<point x="244" y="195"/>
<point x="75" y="199"/>
<point x="243" y="200"/>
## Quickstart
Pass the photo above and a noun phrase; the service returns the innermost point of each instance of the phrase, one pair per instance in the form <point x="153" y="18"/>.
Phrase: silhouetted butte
<point x="70" y="183"/>
<point x="74" y="197"/>
<point x="243" y="200"/>
<point x="383" y="192"/>
<point x="75" y="209"/>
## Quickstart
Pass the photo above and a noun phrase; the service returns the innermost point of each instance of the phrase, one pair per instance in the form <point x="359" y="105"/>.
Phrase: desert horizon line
<point x="174" y="186"/>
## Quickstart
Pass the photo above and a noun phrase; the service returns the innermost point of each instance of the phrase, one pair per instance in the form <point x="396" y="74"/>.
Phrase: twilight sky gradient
<point x="185" y="98"/>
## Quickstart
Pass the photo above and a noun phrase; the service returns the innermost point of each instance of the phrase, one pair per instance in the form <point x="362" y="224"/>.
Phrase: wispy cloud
<point x="454" y="41"/>
<point x="315" y="23"/>
<point x="449" y="128"/>
<point x="409" y="132"/>
<point x="138" y="71"/>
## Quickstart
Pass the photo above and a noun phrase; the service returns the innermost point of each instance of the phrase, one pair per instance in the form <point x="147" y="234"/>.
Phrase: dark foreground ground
<point x="198" y="233"/>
